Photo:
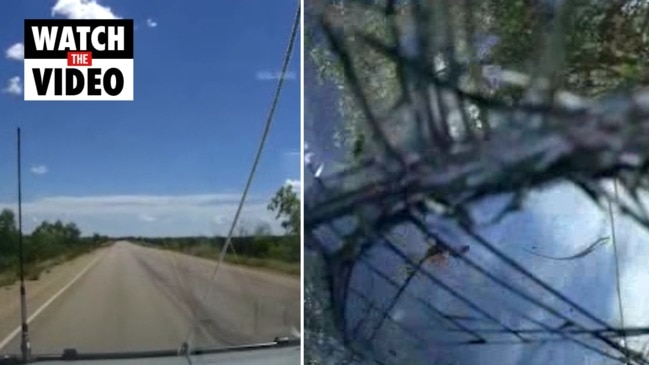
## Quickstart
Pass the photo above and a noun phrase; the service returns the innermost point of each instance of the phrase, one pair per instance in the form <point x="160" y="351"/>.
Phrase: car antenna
<point x="25" y="346"/>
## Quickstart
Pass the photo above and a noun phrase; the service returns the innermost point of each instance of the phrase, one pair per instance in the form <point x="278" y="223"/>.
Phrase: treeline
<point x="259" y="248"/>
<point x="281" y="248"/>
<point x="49" y="242"/>
<point x="52" y="243"/>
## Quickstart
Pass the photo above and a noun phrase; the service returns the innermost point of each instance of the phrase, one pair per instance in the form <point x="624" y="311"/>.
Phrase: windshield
<point x="135" y="232"/>
<point x="478" y="194"/>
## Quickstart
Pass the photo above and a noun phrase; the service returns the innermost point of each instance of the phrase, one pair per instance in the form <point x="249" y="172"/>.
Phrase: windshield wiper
<point x="74" y="355"/>
<point x="277" y="342"/>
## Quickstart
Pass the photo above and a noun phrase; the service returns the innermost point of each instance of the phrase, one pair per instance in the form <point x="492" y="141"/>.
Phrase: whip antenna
<point x="25" y="346"/>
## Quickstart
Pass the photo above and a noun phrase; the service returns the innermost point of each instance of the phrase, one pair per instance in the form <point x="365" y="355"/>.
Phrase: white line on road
<point x="15" y="332"/>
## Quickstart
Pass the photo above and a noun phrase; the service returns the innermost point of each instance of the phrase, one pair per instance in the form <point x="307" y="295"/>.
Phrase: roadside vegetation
<point x="277" y="253"/>
<point x="257" y="247"/>
<point x="48" y="245"/>
<point x="54" y="243"/>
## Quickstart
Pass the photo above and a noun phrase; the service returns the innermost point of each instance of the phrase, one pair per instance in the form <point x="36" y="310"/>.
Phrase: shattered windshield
<point x="171" y="222"/>
<point x="477" y="193"/>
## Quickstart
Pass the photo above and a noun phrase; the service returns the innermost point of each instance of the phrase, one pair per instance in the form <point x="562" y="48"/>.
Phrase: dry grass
<point x="33" y="271"/>
<point x="213" y="253"/>
<point x="270" y="264"/>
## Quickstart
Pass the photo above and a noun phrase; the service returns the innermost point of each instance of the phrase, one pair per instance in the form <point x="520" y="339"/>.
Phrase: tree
<point x="603" y="43"/>
<point x="71" y="233"/>
<point x="588" y="47"/>
<point x="8" y="239"/>
<point x="243" y="229"/>
<point x="47" y="241"/>
<point x="262" y="229"/>
<point x="351" y="136"/>
<point x="260" y="245"/>
<point x="44" y="242"/>
<point x="286" y="205"/>
<point x="8" y="230"/>
<point x="7" y="221"/>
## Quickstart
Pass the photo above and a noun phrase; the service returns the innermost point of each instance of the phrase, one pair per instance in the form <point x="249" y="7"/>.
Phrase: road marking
<point x="15" y="332"/>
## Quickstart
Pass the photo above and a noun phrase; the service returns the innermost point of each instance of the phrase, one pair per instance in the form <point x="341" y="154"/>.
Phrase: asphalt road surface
<point x="132" y="298"/>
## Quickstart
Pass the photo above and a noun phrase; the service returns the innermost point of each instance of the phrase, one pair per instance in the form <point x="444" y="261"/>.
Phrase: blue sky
<point x="174" y="161"/>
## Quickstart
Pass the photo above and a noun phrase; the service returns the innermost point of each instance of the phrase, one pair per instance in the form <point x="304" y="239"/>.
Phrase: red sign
<point x="79" y="58"/>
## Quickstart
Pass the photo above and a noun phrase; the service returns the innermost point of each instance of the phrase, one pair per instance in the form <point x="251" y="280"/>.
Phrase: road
<point x="127" y="297"/>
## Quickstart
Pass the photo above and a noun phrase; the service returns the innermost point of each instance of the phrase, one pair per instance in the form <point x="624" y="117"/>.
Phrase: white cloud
<point x="39" y="170"/>
<point x="219" y="220"/>
<point x="165" y="215"/>
<point x="16" y="52"/>
<point x="151" y="23"/>
<point x="14" y="86"/>
<point x="294" y="183"/>
<point x="291" y="163"/>
<point x="308" y="158"/>
<point x="268" y="76"/>
<point x="160" y="201"/>
<point x="82" y="9"/>
<point x="147" y="218"/>
<point x="292" y="154"/>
